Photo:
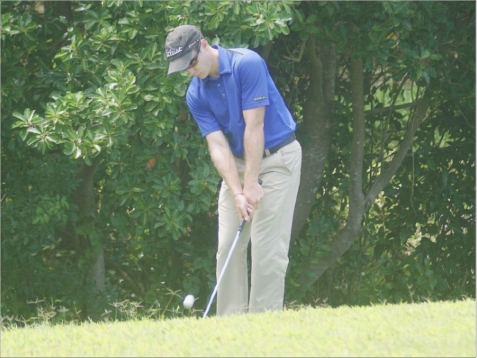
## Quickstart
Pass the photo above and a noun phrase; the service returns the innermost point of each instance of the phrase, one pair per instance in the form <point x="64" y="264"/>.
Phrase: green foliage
<point x="90" y="91"/>
<point x="121" y="112"/>
<point x="403" y="252"/>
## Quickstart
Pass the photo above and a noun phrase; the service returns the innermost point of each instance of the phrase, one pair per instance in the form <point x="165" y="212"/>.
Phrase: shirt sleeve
<point x="200" y="112"/>
<point x="253" y="74"/>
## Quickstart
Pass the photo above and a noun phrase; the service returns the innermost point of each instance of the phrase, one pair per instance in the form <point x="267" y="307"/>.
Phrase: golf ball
<point x="188" y="301"/>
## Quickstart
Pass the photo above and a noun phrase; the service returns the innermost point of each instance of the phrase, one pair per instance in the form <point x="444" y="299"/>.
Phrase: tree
<point x="131" y="213"/>
<point x="394" y="59"/>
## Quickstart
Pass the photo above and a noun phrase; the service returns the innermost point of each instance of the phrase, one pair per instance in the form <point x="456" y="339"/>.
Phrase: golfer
<point x="250" y="135"/>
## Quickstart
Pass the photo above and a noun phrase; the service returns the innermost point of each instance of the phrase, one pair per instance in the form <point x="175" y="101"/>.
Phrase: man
<point x="250" y="135"/>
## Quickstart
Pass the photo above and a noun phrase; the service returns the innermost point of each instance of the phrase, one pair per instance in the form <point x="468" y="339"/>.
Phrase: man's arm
<point x="254" y="146"/>
<point x="224" y="161"/>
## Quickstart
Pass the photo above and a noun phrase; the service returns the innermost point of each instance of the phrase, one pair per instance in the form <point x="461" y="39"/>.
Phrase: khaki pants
<point x="269" y="232"/>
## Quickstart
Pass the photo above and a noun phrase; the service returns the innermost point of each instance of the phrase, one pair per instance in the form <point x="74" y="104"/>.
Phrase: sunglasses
<point x="195" y="60"/>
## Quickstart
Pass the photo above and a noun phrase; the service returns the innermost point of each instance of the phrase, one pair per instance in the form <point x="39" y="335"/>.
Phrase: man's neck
<point x="215" y="68"/>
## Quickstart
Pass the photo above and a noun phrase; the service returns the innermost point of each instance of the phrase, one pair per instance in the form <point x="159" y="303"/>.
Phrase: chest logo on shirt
<point x="259" y="98"/>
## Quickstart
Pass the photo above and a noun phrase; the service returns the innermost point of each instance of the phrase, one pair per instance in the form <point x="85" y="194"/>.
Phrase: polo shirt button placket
<point x="222" y="92"/>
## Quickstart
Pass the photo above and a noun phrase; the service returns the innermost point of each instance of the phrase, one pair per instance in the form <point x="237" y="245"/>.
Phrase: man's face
<point x="198" y="64"/>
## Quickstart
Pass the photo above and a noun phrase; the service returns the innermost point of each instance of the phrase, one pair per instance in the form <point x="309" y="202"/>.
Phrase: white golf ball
<point x="188" y="301"/>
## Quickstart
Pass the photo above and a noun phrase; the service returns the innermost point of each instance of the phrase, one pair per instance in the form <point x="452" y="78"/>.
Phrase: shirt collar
<point x="224" y="64"/>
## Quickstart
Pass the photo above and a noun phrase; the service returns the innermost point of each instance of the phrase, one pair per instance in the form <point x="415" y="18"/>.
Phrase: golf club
<point x="237" y="235"/>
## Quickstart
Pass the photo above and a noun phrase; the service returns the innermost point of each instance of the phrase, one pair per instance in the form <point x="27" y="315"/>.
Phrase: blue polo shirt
<point x="243" y="83"/>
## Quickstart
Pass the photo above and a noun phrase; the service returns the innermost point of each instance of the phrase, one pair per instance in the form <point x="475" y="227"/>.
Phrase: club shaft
<point x="242" y="223"/>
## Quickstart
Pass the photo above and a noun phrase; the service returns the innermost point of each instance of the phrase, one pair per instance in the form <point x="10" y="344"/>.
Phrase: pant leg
<point x="271" y="228"/>
<point x="232" y="293"/>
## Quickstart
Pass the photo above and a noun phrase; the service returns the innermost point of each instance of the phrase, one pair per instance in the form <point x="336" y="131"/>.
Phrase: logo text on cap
<point x="173" y="51"/>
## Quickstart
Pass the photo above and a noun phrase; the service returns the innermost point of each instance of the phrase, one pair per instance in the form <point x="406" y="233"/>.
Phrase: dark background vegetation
<point x="108" y="193"/>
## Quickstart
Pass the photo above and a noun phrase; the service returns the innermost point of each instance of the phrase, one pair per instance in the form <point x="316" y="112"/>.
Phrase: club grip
<point x="242" y="224"/>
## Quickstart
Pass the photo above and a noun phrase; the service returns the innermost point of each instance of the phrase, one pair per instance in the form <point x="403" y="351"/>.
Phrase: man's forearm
<point x="253" y="144"/>
<point x="225" y="164"/>
<point x="253" y="147"/>
<point x="224" y="160"/>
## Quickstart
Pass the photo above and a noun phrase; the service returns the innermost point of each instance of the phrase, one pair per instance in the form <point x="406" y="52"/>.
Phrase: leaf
<point x="77" y="153"/>
<point x="33" y="130"/>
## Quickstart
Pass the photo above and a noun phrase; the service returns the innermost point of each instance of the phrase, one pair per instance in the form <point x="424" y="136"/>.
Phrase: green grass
<point x="425" y="330"/>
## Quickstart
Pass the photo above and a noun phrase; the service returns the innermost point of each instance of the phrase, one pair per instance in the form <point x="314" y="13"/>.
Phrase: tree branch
<point x="316" y="136"/>
<point x="137" y="289"/>
<point x="382" y="180"/>
<point x="302" y="51"/>
<point x="357" y="145"/>
<point x="390" y="108"/>
<point x="316" y="75"/>
<point x="356" y="209"/>
<point x="384" y="136"/>
<point x="266" y="50"/>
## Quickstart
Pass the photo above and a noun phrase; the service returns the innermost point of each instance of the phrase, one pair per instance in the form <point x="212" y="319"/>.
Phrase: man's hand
<point x="244" y="209"/>
<point x="253" y="192"/>
<point x="247" y="202"/>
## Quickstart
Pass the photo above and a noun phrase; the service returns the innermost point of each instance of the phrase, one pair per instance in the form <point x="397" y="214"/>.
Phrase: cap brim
<point x="180" y="64"/>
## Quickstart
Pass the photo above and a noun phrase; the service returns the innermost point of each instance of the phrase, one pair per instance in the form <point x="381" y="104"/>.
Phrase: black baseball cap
<point x="179" y="45"/>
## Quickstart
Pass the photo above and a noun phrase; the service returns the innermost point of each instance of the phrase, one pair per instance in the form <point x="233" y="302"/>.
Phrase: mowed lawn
<point x="442" y="329"/>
